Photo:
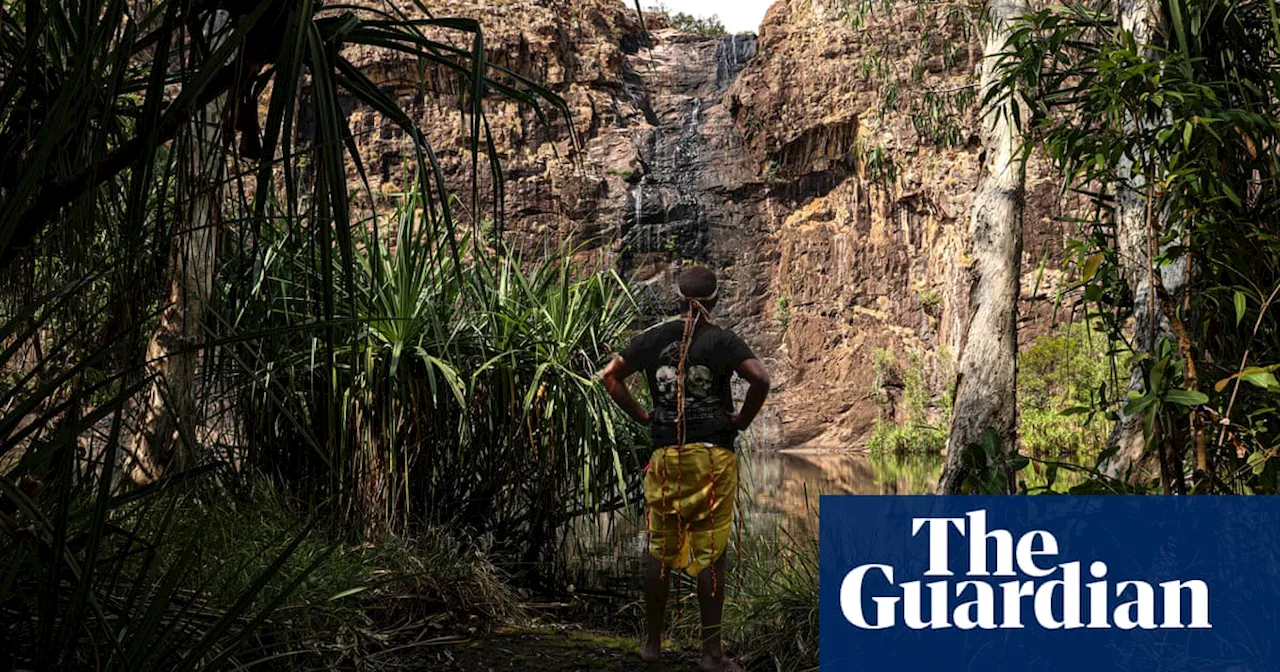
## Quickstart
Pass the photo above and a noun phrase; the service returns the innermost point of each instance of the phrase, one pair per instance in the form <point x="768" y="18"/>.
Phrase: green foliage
<point x="946" y="30"/>
<point x="445" y="372"/>
<point x="1066" y="369"/>
<point x="1076" y="438"/>
<point x="884" y="366"/>
<point x="356" y="596"/>
<point x="890" y="95"/>
<point x="874" y="65"/>
<point x="115" y="583"/>
<point x="988" y="468"/>
<point x="1195" y="117"/>
<point x="701" y="25"/>
<point x="916" y="392"/>
<point x="876" y="163"/>
<point x="917" y="395"/>
<point x="939" y="115"/>
<point x="1062" y="378"/>
<point x="916" y="435"/>
<point x="197" y="558"/>
<point x="857" y="11"/>
<point x="626" y="175"/>
<point x="782" y="311"/>
<point x="993" y="471"/>
<point x="97" y="101"/>
<point x="773" y="615"/>
<point x="930" y="299"/>
<point x="890" y="437"/>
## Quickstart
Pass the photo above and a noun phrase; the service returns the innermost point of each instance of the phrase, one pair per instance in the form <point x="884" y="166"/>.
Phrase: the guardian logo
<point x="1040" y="590"/>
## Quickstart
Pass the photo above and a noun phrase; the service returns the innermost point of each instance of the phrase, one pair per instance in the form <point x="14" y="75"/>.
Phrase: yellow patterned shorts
<point x="690" y="491"/>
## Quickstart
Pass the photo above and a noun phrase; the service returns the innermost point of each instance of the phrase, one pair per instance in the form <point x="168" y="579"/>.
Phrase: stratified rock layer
<point x="837" y="230"/>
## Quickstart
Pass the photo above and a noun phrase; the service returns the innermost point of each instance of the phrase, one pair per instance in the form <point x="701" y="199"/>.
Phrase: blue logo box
<point x="1049" y="583"/>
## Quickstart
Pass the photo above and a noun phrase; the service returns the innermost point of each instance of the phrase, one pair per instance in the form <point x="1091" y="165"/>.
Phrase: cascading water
<point x="732" y="54"/>
<point x="637" y="197"/>
<point x="671" y="213"/>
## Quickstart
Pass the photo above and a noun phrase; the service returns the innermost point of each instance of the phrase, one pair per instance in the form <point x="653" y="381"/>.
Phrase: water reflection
<point x="782" y="487"/>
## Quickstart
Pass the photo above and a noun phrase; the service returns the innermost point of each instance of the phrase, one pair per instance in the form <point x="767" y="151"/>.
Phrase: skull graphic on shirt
<point x="665" y="377"/>
<point x="698" y="381"/>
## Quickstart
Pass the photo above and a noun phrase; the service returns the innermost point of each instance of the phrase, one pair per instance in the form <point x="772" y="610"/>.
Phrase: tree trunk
<point x="1135" y="231"/>
<point x="173" y="350"/>
<point x="986" y="393"/>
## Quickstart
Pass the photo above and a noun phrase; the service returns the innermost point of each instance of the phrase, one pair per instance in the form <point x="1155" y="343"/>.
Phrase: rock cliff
<point x="837" y="226"/>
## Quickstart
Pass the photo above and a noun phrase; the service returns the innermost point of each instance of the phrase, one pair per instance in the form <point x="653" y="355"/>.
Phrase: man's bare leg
<point x="711" y="588"/>
<point x="656" y="585"/>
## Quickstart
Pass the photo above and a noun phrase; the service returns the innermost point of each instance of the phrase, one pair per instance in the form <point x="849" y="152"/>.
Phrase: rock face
<point x="838" y="229"/>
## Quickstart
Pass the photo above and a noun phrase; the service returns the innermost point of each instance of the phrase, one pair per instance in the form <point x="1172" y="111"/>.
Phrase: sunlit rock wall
<point x="757" y="155"/>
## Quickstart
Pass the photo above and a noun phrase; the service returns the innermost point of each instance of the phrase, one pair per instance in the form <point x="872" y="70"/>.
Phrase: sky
<point x="738" y="16"/>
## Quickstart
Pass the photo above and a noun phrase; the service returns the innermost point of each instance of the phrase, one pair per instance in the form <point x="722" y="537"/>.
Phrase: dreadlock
<point x="697" y="285"/>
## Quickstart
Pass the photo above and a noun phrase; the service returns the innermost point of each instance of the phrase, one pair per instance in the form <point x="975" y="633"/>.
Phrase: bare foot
<point x="650" y="653"/>
<point x="719" y="664"/>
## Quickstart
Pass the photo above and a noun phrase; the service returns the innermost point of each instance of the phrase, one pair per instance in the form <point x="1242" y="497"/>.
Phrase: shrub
<point x="782" y="311"/>
<point x="773" y="617"/>
<point x="1060" y="376"/>
<point x="890" y="437"/>
<point x="930" y="299"/>
<point x="135" y="584"/>
<point x="701" y="25"/>
<point x="460" y="390"/>
<point x="356" y="597"/>
<point x="918" y="433"/>
<point x="626" y="174"/>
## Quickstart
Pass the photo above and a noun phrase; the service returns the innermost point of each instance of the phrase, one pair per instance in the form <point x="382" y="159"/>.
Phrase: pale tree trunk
<point x="986" y="394"/>
<point x="173" y="350"/>
<point x="1135" y="228"/>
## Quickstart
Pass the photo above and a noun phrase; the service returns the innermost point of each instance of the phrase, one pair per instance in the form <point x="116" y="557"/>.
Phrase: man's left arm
<point x="752" y="371"/>
<point x="757" y="377"/>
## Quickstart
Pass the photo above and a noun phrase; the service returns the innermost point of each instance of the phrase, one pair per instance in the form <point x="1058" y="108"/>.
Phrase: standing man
<point x="691" y="482"/>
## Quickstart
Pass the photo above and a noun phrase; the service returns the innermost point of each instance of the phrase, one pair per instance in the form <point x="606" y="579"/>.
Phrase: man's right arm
<point x="614" y="376"/>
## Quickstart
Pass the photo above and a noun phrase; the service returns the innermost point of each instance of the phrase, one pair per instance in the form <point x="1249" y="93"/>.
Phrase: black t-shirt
<point x="714" y="354"/>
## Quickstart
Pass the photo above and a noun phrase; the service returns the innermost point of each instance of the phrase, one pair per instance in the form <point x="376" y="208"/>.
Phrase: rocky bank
<point x="839" y="230"/>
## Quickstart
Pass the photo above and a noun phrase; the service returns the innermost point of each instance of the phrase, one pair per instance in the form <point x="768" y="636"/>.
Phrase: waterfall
<point x="732" y="54"/>
<point x="679" y="169"/>
<point x="723" y="69"/>
<point x="637" y="196"/>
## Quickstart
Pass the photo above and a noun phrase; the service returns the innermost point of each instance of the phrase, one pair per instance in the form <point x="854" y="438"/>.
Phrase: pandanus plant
<point x="140" y="140"/>
<point x="95" y="94"/>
